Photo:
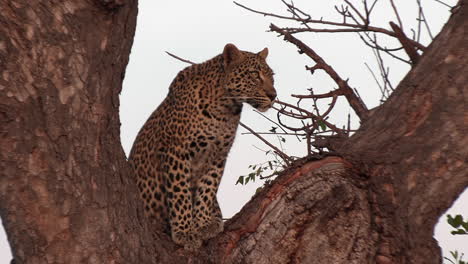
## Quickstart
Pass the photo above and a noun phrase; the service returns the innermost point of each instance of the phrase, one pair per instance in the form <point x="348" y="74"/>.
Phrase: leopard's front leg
<point x="179" y="203"/>
<point x="207" y="214"/>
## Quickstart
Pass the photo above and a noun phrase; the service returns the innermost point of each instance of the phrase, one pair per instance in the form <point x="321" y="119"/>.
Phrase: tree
<point x="67" y="194"/>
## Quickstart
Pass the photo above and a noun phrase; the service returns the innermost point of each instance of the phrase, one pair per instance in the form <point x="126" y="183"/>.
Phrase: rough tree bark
<point x="67" y="195"/>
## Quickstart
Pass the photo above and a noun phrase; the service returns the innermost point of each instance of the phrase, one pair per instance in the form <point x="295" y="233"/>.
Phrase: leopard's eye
<point x="255" y="74"/>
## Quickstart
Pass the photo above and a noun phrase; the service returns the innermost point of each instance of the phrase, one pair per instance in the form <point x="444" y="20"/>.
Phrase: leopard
<point x="179" y="155"/>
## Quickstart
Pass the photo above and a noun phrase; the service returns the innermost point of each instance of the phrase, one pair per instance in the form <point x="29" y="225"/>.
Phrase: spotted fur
<point x="180" y="152"/>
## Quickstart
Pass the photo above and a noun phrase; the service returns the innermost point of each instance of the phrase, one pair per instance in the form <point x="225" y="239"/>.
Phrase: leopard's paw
<point x="187" y="240"/>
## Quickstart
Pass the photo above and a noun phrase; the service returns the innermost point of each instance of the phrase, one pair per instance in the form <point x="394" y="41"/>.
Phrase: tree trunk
<point x="67" y="194"/>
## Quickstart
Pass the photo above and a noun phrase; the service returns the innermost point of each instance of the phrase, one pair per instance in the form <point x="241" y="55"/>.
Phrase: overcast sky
<point x="198" y="31"/>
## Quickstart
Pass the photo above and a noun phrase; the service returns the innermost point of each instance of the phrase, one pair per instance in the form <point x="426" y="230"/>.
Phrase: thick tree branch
<point x="67" y="194"/>
<point x="291" y="215"/>
<point x="427" y="111"/>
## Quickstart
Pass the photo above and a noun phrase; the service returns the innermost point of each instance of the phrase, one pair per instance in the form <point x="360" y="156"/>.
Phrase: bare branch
<point x="355" y="102"/>
<point x="332" y="104"/>
<point x="374" y="45"/>
<point x="384" y="73"/>
<point x="325" y="95"/>
<point x="419" y="19"/>
<point x="396" y="14"/>
<point x="357" y="12"/>
<point x="445" y="4"/>
<point x="347" y="26"/>
<point x="382" y="91"/>
<point x="424" y="19"/>
<point x="179" y="58"/>
<point x="308" y="115"/>
<point x="407" y="46"/>
<point x="285" y="157"/>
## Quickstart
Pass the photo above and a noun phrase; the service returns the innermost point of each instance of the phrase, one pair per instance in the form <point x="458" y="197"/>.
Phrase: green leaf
<point x="240" y="180"/>
<point x="458" y="220"/>
<point x="253" y="178"/>
<point x="454" y="254"/>
<point x="451" y="221"/>
<point x="465" y="225"/>
<point x="322" y="125"/>
<point x="459" y="232"/>
<point x="259" y="171"/>
<point x="254" y="167"/>
<point x="449" y="260"/>
<point x="247" y="180"/>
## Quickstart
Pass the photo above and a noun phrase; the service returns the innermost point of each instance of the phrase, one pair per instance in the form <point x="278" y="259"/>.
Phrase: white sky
<point x="198" y="30"/>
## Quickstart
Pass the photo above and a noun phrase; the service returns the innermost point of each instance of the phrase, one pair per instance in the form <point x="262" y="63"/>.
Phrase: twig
<point x="269" y="119"/>
<point x="308" y="115"/>
<point x="419" y="19"/>
<point x="445" y="4"/>
<point x="376" y="46"/>
<point x="318" y="96"/>
<point x="375" y="78"/>
<point x="384" y="73"/>
<point x="354" y="27"/>
<point x="278" y="125"/>
<point x="179" y="58"/>
<point x="424" y="19"/>
<point x="285" y="157"/>
<point x="396" y="14"/>
<point x="356" y="11"/>
<point x="274" y="133"/>
<point x="332" y="104"/>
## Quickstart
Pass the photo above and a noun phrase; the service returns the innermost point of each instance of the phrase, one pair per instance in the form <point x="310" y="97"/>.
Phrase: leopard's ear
<point x="231" y="55"/>
<point x="263" y="53"/>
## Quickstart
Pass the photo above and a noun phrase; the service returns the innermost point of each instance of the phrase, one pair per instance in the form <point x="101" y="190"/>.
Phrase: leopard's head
<point x="248" y="77"/>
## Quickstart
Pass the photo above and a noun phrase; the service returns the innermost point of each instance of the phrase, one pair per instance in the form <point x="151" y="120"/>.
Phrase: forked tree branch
<point x="356" y="103"/>
<point x="410" y="50"/>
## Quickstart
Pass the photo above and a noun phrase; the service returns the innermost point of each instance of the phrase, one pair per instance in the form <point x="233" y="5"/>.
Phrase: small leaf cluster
<point x="457" y="258"/>
<point x="322" y="125"/>
<point x="258" y="171"/>
<point x="458" y="223"/>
